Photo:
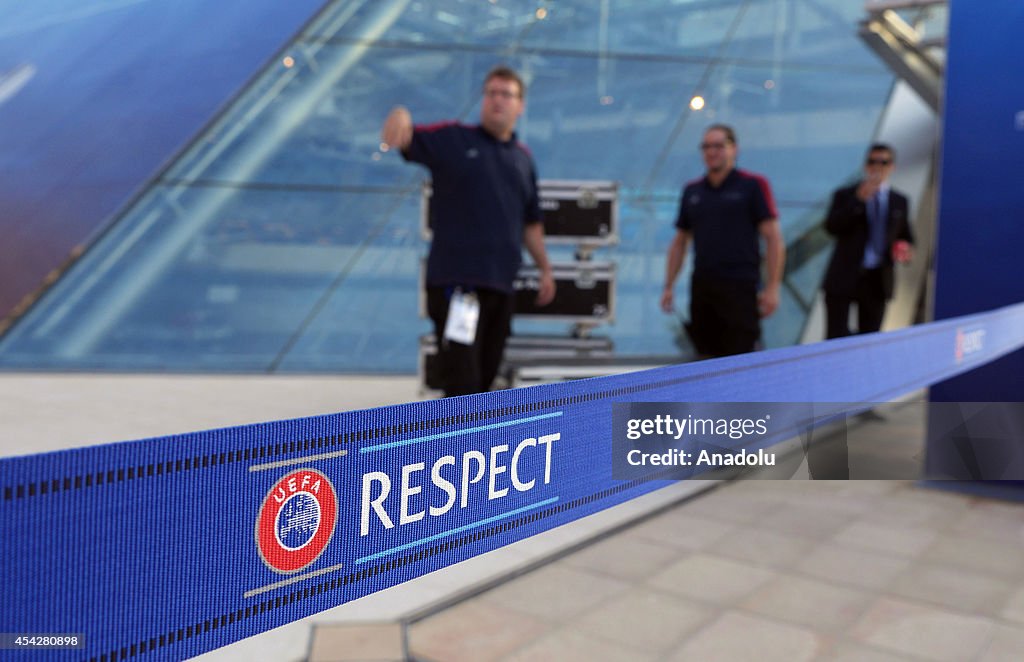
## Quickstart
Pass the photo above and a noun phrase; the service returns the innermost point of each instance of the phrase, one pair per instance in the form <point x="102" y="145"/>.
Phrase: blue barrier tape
<point x="175" y="546"/>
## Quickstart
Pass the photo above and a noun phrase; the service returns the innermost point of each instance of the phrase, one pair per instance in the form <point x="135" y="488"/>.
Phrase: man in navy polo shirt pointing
<point x="485" y="208"/>
<point x="725" y="214"/>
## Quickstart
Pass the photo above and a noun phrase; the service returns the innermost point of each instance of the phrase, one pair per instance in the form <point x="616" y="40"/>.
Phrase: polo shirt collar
<point x="729" y="179"/>
<point x="487" y="134"/>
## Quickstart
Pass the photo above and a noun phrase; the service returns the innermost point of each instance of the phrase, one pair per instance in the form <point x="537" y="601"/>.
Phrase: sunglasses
<point x="706" y="146"/>
<point x="883" y="162"/>
<point x="504" y="94"/>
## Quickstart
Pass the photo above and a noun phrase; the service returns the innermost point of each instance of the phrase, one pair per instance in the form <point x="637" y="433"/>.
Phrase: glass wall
<point x="285" y="240"/>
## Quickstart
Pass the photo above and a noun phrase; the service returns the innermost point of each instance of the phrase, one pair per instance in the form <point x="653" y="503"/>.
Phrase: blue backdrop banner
<point x="167" y="548"/>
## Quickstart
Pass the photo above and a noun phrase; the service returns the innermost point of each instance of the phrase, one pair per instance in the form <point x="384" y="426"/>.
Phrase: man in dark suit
<point x="871" y="224"/>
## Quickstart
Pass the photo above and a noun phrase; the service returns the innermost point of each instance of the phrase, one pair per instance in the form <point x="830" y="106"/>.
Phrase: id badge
<point x="463" y="315"/>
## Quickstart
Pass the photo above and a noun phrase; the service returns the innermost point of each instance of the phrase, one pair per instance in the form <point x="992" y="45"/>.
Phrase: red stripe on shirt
<point x="766" y="190"/>
<point x="436" y="126"/>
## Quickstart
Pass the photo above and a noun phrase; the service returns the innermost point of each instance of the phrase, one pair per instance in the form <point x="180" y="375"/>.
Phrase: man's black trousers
<point x="466" y="369"/>
<point x="724" y="318"/>
<point x="870" y="299"/>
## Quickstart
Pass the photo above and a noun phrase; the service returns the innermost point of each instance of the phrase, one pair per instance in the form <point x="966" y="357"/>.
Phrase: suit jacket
<point x="847" y="221"/>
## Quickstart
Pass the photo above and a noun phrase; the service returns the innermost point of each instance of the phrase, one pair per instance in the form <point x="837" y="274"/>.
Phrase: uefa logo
<point x="296" y="521"/>
<point x="968" y="341"/>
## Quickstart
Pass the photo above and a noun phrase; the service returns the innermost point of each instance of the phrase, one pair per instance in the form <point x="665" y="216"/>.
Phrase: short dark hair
<point x="730" y="135"/>
<point x="505" y="72"/>
<point x="882" y="147"/>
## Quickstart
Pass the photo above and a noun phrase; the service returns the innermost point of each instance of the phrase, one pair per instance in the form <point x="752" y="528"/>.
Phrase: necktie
<point x="877" y="225"/>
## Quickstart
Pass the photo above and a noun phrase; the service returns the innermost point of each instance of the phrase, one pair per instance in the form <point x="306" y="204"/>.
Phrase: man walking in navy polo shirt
<point x="725" y="214"/>
<point x="485" y="208"/>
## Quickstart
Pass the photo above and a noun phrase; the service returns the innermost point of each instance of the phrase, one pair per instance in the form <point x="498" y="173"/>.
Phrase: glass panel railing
<point x="285" y="240"/>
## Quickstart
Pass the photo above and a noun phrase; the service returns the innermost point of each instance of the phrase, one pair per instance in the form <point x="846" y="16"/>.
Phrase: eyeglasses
<point x="706" y="146"/>
<point x="883" y="162"/>
<point x="504" y="94"/>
